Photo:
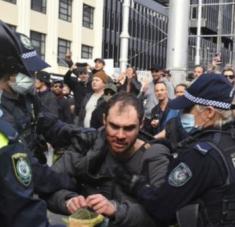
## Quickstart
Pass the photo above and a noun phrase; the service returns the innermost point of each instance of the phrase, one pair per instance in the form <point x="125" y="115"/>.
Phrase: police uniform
<point x="18" y="207"/>
<point x="20" y="174"/>
<point x="199" y="186"/>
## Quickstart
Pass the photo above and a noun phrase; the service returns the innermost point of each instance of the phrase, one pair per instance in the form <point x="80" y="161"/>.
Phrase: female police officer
<point x="202" y="172"/>
<point x="20" y="174"/>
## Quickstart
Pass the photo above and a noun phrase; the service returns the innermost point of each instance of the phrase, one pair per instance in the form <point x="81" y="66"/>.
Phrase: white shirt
<point x="89" y="108"/>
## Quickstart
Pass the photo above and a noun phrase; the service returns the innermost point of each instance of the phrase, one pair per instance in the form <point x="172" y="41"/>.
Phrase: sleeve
<point x="132" y="214"/>
<point x="191" y="174"/>
<point x="70" y="81"/>
<point x="64" y="166"/>
<point x="158" y="165"/>
<point x="60" y="134"/>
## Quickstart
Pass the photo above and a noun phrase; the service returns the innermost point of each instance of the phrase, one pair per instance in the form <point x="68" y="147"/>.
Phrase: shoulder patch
<point x="180" y="175"/>
<point x="22" y="168"/>
<point x="202" y="147"/>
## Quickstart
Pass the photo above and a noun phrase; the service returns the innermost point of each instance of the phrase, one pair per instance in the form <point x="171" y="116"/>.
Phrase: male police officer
<point x="20" y="174"/>
<point x="203" y="171"/>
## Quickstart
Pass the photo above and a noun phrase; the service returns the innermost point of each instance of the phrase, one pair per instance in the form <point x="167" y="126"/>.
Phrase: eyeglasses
<point x="229" y="76"/>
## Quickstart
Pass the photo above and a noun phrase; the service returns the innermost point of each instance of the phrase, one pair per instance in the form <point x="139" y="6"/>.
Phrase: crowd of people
<point x="149" y="154"/>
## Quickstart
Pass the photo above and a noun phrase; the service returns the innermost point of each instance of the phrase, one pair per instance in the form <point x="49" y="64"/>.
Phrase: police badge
<point x="180" y="175"/>
<point x="22" y="168"/>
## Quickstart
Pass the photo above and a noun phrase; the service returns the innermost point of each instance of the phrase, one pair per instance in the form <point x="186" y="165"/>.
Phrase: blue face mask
<point x="187" y="121"/>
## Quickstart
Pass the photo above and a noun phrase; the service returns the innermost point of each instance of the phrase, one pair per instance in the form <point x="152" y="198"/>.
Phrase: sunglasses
<point x="229" y="76"/>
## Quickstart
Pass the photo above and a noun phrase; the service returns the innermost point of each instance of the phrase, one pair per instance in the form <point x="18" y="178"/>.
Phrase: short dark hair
<point x="126" y="99"/>
<point x="200" y="66"/>
<point x="181" y="85"/>
<point x="160" y="82"/>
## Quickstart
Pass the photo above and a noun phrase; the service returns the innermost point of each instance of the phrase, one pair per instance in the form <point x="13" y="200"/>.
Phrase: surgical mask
<point x="23" y="84"/>
<point x="187" y="121"/>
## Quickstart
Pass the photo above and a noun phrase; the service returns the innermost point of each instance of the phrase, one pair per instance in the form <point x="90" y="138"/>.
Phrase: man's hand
<point x="76" y="202"/>
<point x="101" y="205"/>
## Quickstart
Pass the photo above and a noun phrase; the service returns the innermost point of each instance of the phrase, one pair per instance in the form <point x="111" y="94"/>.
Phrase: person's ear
<point x="211" y="112"/>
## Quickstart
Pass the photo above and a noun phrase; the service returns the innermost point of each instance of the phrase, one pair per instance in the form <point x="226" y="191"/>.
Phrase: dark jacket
<point x="97" y="115"/>
<point x="135" y="86"/>
<point x="79" y="89"/>
<point x="48" y="101"/>
<point x="94" y="172"/>
<point x="19" y="207"/>
<point x="202" y="172"/>
<point x="64" y="111"/>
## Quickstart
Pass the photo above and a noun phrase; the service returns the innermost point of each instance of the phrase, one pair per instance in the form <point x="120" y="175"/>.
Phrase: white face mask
<point x="23" y="84"/>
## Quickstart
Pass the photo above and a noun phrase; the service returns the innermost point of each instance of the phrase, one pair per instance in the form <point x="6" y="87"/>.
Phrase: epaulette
<point x="8" y="130"/>
<point x="203" y="147"/>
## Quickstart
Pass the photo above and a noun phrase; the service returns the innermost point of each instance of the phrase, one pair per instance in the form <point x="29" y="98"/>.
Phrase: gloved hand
<point x="131" y="183"/>
<point x="45" y="121"/>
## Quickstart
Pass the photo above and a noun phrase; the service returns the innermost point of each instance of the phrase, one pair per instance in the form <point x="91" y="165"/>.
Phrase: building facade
<point x="56" y="26"/>
<point x="217" y="27"/>
<point x="147" y="29"/>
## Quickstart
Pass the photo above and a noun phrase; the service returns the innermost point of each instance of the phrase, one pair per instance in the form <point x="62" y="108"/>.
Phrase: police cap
<point x="208" y="90"/>
<point x="17" y="52"/>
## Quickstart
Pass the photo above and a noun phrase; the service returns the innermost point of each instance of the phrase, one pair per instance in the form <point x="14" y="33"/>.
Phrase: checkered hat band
<point x="207" y="102"/>
<point x="29" y="54"/>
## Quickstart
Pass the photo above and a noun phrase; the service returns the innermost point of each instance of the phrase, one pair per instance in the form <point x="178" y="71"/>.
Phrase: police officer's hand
<point x="45" y="121"/>
<point x="129" y="182"/>
<point x="101" y="205"/>
<point x="76" y="202"/>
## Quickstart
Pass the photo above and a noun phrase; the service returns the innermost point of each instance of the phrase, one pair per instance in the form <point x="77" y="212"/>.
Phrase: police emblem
<point x="26" y="42"/>
<point x="22" y="168"/>
<point x="180" y="175"/>
<point x="233" y="159"/>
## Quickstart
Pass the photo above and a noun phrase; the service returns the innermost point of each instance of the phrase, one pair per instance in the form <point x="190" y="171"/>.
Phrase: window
<point x="86" y="52"/>
<point x="11" y="1"/>
<point x="38" y="42"/>
<point x="65" y="10"/>
<point x="194" y="12"/>
<point x="39" y="5"/>
<point x="63" y="47"/>
<point x="88" y="16"/>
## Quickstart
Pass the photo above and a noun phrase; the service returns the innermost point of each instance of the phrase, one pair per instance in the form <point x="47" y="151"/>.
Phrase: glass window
<point x="11" y="1"/>
<point x="39" y="5"/>
<point x="63" y="47"/>
<point x="194" y="12"/>
<point x="88" y="16"/>
<point x="38" y="42"/>
<point x="86" y="52"/>
<point x="65" y="10"/>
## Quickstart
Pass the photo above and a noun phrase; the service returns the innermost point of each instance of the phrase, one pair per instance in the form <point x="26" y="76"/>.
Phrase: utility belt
<point x="197" y="215"/>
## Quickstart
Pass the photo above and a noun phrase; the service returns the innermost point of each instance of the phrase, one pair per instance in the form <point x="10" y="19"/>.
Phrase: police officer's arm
<point x="187" y="178"/>
<point x="61" y="134"/>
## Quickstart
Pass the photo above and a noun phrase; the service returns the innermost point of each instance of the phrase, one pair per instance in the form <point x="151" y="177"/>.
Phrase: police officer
<point x="20" y="174"/>
<point x="199" y="187"/>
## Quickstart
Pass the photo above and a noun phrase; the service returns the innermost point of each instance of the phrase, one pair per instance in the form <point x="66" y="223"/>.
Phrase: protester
<point x="148" y="94"/>
<point x="95" y="156"/>
<point x="200" y="181"/>
<point x="46" y="96"/>
<point x="161" y="113"/>
<point x="91" y="115"/>
<point x="64" y="110"/>
<point x="228" y="72"/>
<point x="180" y="89"/>
<point x="128" y="81"/>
